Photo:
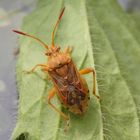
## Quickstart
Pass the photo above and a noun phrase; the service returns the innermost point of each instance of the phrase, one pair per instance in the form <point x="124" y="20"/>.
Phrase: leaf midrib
<point x="90" y="51"/>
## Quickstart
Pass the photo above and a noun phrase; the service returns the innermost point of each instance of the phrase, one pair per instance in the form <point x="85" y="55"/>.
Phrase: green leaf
<point x="136" y="17"/>
<point x="103" y="36"/>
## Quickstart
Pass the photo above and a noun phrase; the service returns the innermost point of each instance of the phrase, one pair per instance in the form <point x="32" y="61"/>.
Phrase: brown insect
<point x="69" y="85"/>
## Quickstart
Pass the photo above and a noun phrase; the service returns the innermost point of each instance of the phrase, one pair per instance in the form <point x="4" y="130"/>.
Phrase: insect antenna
<point x="59" y="18"/>
<point x="37" y="39"/>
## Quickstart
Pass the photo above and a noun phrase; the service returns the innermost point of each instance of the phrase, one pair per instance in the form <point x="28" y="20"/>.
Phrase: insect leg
<point x="50" y="96"/>
<point x="36" y="66"/>
<point x="89" y="70"/>
<point x="68" y="50"/>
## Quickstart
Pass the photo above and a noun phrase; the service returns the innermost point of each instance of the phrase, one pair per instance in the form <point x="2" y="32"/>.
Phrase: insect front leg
<point x="89" y="70"/>
<point x="50" y="96"/>
<point x="68" y="50"/>
<point x="36" y="66"/>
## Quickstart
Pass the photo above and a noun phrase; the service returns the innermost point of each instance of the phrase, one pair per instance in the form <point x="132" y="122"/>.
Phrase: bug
<point x="70" y="87"/>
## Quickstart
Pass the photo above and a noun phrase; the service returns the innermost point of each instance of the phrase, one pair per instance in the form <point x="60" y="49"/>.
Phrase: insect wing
<point x="67" y="81"/>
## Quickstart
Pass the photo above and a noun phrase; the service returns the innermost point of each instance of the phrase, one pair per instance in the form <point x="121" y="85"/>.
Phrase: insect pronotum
<point x="69" y="85"/>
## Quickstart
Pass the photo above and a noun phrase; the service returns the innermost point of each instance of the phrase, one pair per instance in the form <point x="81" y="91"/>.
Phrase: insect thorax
<point x="58" y="60"/>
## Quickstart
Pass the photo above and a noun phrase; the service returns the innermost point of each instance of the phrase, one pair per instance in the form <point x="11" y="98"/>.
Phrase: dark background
<point x="11" y="15"/>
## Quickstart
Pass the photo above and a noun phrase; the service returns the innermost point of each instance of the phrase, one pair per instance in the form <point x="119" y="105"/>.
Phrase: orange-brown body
<point x="69" y="85"/>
